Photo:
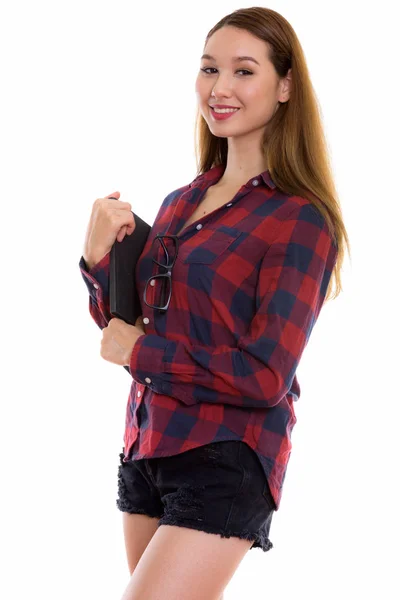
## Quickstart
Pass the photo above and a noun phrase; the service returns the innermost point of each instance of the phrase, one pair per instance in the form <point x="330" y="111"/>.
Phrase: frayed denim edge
<point x="260" y="540"/>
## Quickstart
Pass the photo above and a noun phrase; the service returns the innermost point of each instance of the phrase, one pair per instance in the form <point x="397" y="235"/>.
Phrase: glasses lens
<point x="161" y="292"/>
<point x="165" y="285"/>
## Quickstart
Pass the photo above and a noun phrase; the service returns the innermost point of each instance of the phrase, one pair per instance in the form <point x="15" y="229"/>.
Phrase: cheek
<point x="256" y="94"/>
<point x="200" y="89"/>
<point x="262" y="102"/>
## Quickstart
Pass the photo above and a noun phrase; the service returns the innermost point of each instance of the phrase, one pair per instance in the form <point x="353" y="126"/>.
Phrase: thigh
<point x="184" y="563"/>
<point x="138" y="531"/>
<point x="141" y="507"/>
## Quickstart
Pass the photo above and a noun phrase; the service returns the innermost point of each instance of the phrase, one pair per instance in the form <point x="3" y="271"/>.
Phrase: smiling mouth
<point x="227" y="108"/>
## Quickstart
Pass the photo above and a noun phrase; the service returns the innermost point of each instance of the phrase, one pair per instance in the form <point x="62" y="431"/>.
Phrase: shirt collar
<point x="215" y="173"/>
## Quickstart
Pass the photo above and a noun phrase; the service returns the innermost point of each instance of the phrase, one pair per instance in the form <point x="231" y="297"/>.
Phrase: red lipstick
<point x="222" y="116"/>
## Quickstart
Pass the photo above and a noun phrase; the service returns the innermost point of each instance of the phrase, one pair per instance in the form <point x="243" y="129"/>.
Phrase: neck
<point x="245" y="160"/>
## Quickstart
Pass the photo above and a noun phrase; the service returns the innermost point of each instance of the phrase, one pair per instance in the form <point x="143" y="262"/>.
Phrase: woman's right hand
<point x="110" y="220"/>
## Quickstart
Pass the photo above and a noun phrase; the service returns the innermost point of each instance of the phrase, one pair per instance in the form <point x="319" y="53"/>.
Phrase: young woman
<point x="233" y="276"/>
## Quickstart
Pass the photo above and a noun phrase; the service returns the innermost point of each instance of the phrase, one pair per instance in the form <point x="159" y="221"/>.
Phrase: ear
<point x="286" y="86"/>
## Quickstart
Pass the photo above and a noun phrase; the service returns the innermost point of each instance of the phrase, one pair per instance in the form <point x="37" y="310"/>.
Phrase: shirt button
<point x="147" y="380"/>
<point x="153" y="282"/>
<point x="255" y="182"/>
<point x="230" y="204"/>
<point x="199" y="226"/>
<point x="95" y="285"/>
<point x="139" y="394"/>
<point x="146" y="320"/>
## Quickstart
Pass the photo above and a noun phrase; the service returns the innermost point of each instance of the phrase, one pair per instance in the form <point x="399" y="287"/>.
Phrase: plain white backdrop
<point x="98" y="97"/>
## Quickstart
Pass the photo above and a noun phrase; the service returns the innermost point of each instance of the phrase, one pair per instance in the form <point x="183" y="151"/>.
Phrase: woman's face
<point x="253" y="87"/>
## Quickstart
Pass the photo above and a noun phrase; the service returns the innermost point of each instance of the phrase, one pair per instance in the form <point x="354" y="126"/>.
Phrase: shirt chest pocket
<point x="208" y="247"/>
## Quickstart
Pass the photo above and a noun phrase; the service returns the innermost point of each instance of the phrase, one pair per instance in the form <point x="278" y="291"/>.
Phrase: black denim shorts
<point x="218" y="488"/>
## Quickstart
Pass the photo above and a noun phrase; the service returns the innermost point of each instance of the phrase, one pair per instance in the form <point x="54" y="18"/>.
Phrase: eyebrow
<point x="234" y="59"/>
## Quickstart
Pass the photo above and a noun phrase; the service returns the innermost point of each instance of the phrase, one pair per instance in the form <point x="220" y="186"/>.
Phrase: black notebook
<point x="125" y="303"/>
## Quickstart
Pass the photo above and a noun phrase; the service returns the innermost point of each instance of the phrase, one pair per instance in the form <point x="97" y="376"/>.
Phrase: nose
<point x="222" y="87"/>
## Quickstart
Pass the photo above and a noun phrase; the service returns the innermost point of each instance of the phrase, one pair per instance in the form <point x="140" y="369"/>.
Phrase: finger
<point x="121" y="233"/>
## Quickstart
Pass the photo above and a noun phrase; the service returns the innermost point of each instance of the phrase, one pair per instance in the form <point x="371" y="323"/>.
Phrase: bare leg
<point x="138" y="531"/>
<point x="181" y="563"/>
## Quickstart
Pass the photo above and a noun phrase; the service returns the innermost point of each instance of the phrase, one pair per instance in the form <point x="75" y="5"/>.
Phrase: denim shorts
<point x="218" y="488"/>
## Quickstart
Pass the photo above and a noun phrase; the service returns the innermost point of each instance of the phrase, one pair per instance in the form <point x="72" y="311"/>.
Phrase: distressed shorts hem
<point x="260" y="541"/>
<point x="126" y="507"/>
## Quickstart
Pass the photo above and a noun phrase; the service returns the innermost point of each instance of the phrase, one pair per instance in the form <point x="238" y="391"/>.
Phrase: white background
<point x="98" y="97"/>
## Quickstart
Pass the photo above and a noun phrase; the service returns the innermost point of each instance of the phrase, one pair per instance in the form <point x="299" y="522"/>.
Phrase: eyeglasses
<point x="165" y="287"/>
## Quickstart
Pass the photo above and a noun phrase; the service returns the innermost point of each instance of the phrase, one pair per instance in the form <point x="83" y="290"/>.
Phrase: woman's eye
<point x="205" y="69"/>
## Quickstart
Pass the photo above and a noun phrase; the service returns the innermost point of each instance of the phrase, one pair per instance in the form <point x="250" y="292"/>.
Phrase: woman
<point x="233" y="276"/>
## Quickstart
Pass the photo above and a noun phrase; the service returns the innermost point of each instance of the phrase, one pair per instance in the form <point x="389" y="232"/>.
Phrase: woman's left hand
<point x="119" y="339"/>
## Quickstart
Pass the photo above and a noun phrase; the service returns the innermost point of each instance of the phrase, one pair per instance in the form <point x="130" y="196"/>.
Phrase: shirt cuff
<point x="97" y="277"/>
<point x="147" y="361"/>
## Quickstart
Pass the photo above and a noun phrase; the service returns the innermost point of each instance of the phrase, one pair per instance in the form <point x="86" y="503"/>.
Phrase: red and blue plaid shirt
<point x="220" y="363"/>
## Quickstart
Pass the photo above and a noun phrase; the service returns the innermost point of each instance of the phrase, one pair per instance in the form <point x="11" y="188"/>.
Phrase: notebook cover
<point x="125" y="303"/>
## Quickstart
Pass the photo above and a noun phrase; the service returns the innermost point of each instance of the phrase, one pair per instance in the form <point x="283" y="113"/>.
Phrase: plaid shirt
<point x="247" y="288"/>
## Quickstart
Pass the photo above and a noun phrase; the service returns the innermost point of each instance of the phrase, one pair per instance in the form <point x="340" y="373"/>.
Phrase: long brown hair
<point x="294" y="144"/>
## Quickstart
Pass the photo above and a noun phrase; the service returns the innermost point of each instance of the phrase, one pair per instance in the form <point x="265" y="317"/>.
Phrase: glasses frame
<point x="167" y="266"/>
